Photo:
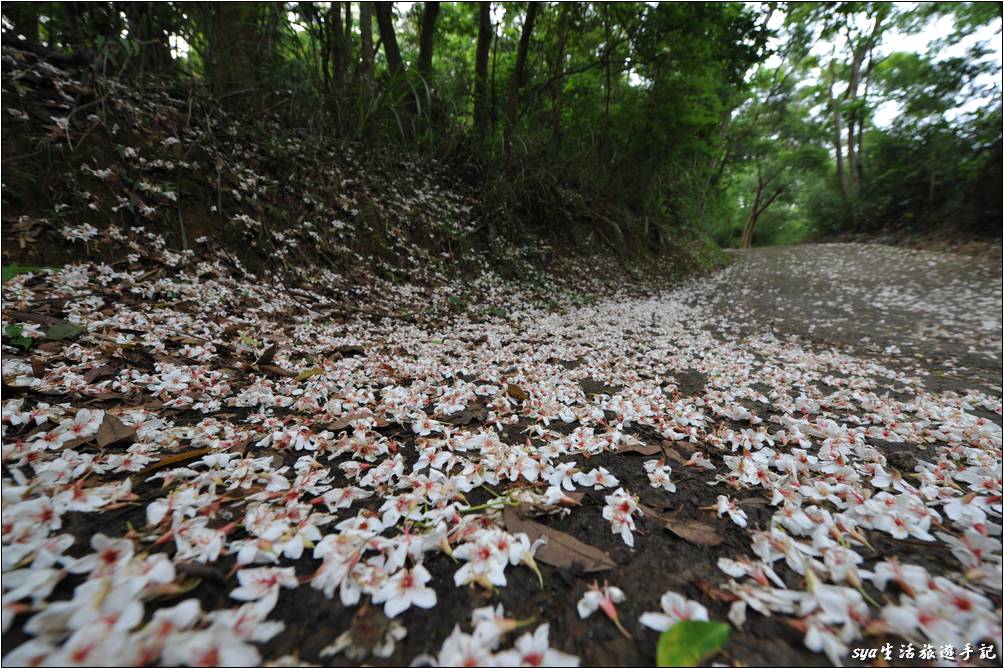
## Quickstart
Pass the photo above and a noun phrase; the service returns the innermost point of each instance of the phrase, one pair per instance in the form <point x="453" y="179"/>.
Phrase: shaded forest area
<point x="638" y="127"/>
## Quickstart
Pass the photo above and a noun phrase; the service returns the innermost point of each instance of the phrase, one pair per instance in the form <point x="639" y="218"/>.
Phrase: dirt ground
<point x="905" y="321"/>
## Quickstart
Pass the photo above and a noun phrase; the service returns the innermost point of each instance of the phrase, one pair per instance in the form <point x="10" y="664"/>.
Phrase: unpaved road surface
<point x="806" y="445"/>
<point x="936" y="310"/>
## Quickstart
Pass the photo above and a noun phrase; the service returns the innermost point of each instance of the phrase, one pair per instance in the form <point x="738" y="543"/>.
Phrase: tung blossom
<point x="729" y="506"/>
<point x="405" y="589"/>
<point x="675" y="608"/>
<point x="619" y="509"/>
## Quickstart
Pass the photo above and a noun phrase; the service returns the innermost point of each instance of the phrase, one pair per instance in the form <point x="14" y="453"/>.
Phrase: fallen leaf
<point x="175" y="459"/>
<point x="12" y="270"/>
<point x="309" y="373"/>
<point x="113" y="431"/>
<point x="673" y="454"/>
<point x="693" y="531"/>
<point x="754" y="501"/>
<point x="266" y="357"/>
<point x="100" y="372"/>
<point x="15" y="334"/>
<point x="689" y="642"/>
<point x="475" y="411"/>
<point x="348" y="351"/>
<point x="64" y="330"/>
<point x="516" y="392"/>
<point x="712" y="591"/>
<point x="277" y="371"/>
<point x="347" y="419"/>
<point x="32" y="317"/>
<point x="561" y="550"/>
<point x="574" y="497"/>
<point x="684" y="446"/>
<point x="640" y="448"/>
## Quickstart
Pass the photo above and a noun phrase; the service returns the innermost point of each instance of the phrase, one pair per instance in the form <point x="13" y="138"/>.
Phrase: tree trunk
<point x="837" y="139"/>
<point x="232" y="62"/>
<point x="747" y="239"/>
<point x="335" y="36"/>
<point x="426" y="37"/>
<point x="851" y="95"/>
<point x="347" y="37"/>
<point x="519" y="70"/>
<point x="385" y="22"/>
<point x="366" y="39"/>
<point x="608" y="75"/>
<point x="76" y="24"/>
<point x="557" y="83"/>
<point x="757" y="211"/>
<point x="319" y="42"/>
<point x="481" y="69"/>
<point x="493" y="106"/>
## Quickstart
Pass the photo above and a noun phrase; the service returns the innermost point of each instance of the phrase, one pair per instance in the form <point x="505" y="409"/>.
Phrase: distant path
<point x="941" y="311"/>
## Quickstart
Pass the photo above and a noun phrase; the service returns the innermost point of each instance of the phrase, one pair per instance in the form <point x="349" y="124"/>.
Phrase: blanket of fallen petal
<point x="216" y="470"/>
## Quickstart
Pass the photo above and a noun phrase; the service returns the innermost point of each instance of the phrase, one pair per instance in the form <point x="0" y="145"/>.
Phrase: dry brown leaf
<point x="516" y="392"/>
<point x="113" y="431"/>
<point x="350" y="350"/>
<point x="475" y="411"/>
<point x="673" y="454"/>
<point x="100" y="372"/>
<point x="640" y="448"/>
<point x="32" y="317"/>
<point x="681" y="445"/>
<point x="109" y="395"/>
<point x="277" y="371"/>
<point x="574" y="497"/>
<point x="169" y="460"/>
<point x="266" y="357"/>
<point x="754" y="501"/>
<point x="690" y="530"/>
<point x="694" y="531"/>
<point x="713" y="591"/>
<point x="561" y="550"/>
<point x="347" y="419"/>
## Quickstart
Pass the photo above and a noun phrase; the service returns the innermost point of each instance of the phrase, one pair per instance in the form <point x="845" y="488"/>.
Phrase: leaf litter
<point x="455" y="467"/>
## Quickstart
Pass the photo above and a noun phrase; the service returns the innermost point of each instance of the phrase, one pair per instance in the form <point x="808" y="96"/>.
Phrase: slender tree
<point x="519" y="70"/>
<point x="426" y="38"/>
<point x="347" y="35"/>
<point x="336" y="37"/>
<point x="764" y="196"/>
<point x="557" y="85"/>
<point x="366" y="40"/>
<point x="481" y="102"/>
<point x="385" y="22"/>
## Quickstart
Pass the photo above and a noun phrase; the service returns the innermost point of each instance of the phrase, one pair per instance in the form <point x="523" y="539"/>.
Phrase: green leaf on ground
<point x="689" y="642"/>
<point x="64" y="330"/>
<point x="16" y="335"/>
<point x="12" y="270"/>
